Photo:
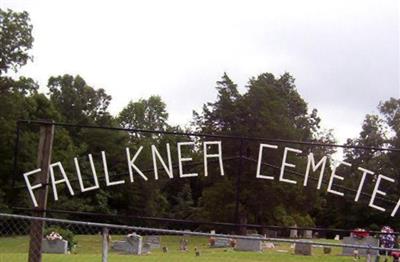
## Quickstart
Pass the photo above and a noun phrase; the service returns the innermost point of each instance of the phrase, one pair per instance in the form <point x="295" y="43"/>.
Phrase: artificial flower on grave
<point x="54" y="236"/>
<point x="388" y="239"/>
<point x="359" y="233"/>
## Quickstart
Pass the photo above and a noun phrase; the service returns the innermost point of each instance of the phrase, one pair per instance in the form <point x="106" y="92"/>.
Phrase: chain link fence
<point x="69" y="240"/>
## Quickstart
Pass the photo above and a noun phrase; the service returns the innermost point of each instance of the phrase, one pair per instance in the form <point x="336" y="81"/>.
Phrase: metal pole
<point x="105" y="245"/>
<point x="239" y="174"/>
<point x="43" y="162"/>
<point x="16" y="153"/>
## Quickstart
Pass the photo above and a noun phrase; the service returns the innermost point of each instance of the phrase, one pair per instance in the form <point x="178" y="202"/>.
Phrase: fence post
<point x="238" y="219"/>
<point x="105" y="245"/>
<point x="43" y="162"/>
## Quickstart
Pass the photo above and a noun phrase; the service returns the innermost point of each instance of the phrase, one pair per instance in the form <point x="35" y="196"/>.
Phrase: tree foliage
<point x="15" y="40"/>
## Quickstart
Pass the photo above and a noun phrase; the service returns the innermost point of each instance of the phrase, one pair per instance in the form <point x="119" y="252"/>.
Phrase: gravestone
<point x="248" y="245"/>
<point x="132" y="245"/>
<point x="304" y="249"/>
<point x="57" y="246"/>
<point x="221" y="242"/>
<point x="269" y="245"/>
<point x="153" y="242"/>
<point x="293" y="232"/>
<point x="271" y="233"/>
<point x="185" y="233"/>
<point x="367" y="241"/>
<point x="337" y="237"/>
<point x="183" y="244"/>
<point x="307" y="234"/>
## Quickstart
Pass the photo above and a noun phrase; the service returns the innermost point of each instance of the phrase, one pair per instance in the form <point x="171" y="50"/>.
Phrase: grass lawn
<point x="89" y="249"/>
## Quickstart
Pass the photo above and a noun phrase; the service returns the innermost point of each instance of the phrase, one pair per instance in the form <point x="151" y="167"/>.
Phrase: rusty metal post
<point x="43" y="162"/>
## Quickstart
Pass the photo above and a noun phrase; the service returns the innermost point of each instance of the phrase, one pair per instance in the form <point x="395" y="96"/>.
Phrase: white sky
<point x="343" y="54"/>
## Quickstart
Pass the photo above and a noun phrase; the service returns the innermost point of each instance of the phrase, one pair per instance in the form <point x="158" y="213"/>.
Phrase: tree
<point x="272" y="108"/>
<point x="224" y="114"/>
<point x="147" y="114"/>
<point x="15" y="40"/>
<point x="377" y="131"/>
<point x="152" y="197"/>
<point x="78" y="102"/>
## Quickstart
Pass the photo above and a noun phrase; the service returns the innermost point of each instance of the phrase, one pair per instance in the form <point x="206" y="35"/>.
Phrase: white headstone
<point x="248" y="245"/>
<point x="221" y="242"/>
<point x="293" y="232"/>
<point x="367" y="241"/>
<point x="303" y="249"/>
<point x="132" y="245"/>
<point x="307" y="234"/>
<point x="153" y="241"/>
<point x="57" y="246"/>
<point x="269" y="245"/>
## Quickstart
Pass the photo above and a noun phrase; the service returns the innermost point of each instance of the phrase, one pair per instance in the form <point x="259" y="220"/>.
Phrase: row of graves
<point x="139" y="245"/>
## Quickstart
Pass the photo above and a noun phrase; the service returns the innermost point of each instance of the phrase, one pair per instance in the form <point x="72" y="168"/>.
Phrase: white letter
<point x="377" y="191"/>
<point x="108" y="183"/>
<point x="56" y="182"/>
<point x="311" y="162"/>
<point x="206" y="156"/>
<point x="30" y="187"/>
<point x="78" y="171"/>
<point x="284" y="164"/>
<point x="131" y="163"/>
<point x="365" y="172"/>
<point x="168" y="169"/>
<point x="260" y="152"/>
<point x="333" y="176"/>
<point x="180" y="159"/>
<point x="396" y="208"/>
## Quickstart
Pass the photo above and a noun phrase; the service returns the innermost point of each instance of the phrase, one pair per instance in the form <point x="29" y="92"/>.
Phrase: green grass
<point x="89" y="249"/>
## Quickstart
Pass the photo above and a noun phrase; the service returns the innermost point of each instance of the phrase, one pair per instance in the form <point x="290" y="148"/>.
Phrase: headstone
<point x="367" y="241"/>
<point x="183" y="243"/>
<point x="154" y="242"/>
<point x="57" y="246"/>
<point x="248" y="245"/>
<point x="146" y="248"/>
<point x="212" y="232"/>
<point x="271" y="233"/>
<point x="304" y="249"/>
<point x="337" y="237"/>
<point x="165" y="249"/>
<point x="221" y="242"/>
<point x="185" y="233"/>
<point x="269" y="245"/>
<point x="307" y="234"/>
<point x="136" y="242"/>
<point x="132" y="245"/>
<point x="356" y="254"/>
<point x="293" y="232"/>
